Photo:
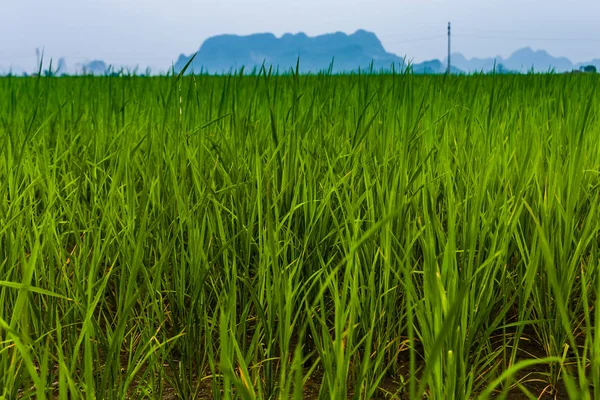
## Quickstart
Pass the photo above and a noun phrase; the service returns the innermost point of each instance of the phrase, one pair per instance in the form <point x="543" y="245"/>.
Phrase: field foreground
<point x="331" y="237"/>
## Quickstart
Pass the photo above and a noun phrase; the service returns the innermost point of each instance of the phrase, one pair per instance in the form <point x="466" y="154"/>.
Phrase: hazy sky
<point x="155" y="32"/>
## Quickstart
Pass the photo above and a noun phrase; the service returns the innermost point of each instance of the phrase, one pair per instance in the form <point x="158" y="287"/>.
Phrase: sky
<point x="152" y="33"/>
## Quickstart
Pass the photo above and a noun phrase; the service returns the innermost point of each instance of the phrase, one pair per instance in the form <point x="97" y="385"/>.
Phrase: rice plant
<point x="276" y="236"/>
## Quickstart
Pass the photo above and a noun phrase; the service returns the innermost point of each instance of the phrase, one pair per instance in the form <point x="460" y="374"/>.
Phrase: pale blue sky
<point x="155" y="32"/>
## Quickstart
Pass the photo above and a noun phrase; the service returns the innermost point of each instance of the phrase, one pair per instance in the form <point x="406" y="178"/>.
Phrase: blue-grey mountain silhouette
<point x="540" y="61"/>
<point x="362" y="49"/>
<point x="474" y="64"/>
<point x="521" y="61"/>
<point x="96" y="67"/>
<point x="61" y="67"/>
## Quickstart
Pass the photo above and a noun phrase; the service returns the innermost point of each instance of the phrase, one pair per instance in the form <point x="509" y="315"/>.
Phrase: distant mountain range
<point x="225" y="53"/>
<point x="522" y="60"/>
<point x="339" y="51"/>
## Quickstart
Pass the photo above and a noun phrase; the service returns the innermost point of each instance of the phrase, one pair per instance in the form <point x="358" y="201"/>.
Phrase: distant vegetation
<point x="589" y="68"/>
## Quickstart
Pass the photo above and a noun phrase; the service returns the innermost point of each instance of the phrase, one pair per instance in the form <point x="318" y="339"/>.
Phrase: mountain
<point x="11" y="70"/>
<point x="62" y="68"/>
<point x="429" y="67"/>
<point x="526" y="59"/>
<point x="521" y="61"/>
<point x="224" y="53"/>
<point x="473" y="64"/>
<point x="95" y="67"/>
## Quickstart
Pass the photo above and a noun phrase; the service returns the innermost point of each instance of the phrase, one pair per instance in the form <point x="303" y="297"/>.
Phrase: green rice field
<point x="283" y="236"/>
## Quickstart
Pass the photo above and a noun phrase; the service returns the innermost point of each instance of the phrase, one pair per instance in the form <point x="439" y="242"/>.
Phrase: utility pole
<point x="448" y="72"/>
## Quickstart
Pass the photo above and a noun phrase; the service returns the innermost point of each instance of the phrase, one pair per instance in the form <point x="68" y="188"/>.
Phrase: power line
<point x="420" y="39"/>
<point x="548" y="39"/>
